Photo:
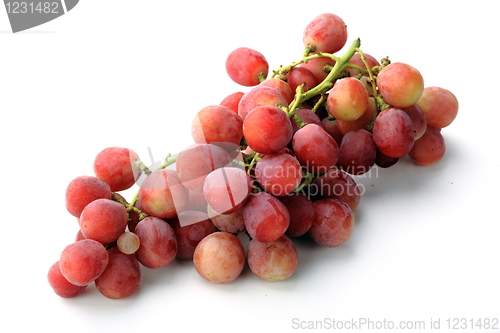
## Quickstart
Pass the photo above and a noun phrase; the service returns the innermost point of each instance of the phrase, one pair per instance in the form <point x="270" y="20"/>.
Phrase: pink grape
<point x="117" y="167"/>
<point x="327" y="32"/>
<point x="84" y="261"/>
<point x="103" y="220"/>
<point x="278" y="174"/>
<point x="332" y="128"/>
<point x="348" y="99"/>
<point x="439" y="105"/>
<point x="318" y="66"/>
<point x="356" y="60"/>
<point x="162" y="194"/>
<point x="301" y="75"/>
<point x="362" y="122"/>
<point x="83" y="190"/>
<point x="197" y="161"/>
<point x="333" y="224"/>
<point x="246" y="66"/>
<point x="231" y="101"/>
<point x="218" y="125"/>
<point x="267" y="129"/>
<point x="429" y="149"/>
<point x="281" y="86"/>
<point x="357" y="152"/>
<point x="301" y="212"/>
<point x="232" y="222"/>
<point x="261" y="95"/>
<point x="315" y="149"/>
<point x="121" y="277"/>
<point x="266" y="218"/>
<point x="307" y="116"/>
<point x="190" y="228"/>
<point x="337" y="184"/>
<point x="400" y="84"/>
<point x="61" y="286"/>
<point x="273" y="261"/>
<point x="158" y="242"/>
<point x="219" y="257"/>
<point x="227" y="189"/>
<point x="393" y="132"/>
<point x="418" y="119"/>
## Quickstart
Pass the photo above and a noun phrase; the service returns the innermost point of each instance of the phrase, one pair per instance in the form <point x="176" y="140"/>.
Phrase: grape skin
<point x="327" y="32"/>
<point x="357" y="153"/>
<point x="301" y="211"/>
<point x="219" y="257"/>
<point x="83" y="190"/>
<point x="400" y="84"/>
<point x="439" y="105"/>
<point x="337" y="184"/>
<point x="244" y="65"/>
<point x="393" y="132"/>
<point x="83" y="261"/>
<point x="158" y="242"/>
<point x="301" y="76"/>
<point x="278" y="174"/>
<point x="231" y="101"/>
<point x="261" y="95"/>
<point x="117" y="167"/>
<point x="103" y="220"/>
<point x="61" y="286"/>
<point x="429" y="149"/>
<point x="333" y="224"/>
<point x="273" y="261"/>
<point x="121" y="277"/>
<point x="128" y="242"/>
<point x="348" y="99"/>
<point x="232" y="222"/>
<point x="281" y="86"/>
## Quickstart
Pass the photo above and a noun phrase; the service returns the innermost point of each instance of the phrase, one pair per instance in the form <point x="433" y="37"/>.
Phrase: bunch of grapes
<point x="274" y="162"/>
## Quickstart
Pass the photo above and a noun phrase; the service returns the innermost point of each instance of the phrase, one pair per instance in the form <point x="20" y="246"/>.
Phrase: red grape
<point x="117" y="167"/>
<point x="360" y="123"/>
<point x="418" y="119"/>
<point x="158" y="242"/>
<point x="400" y="84"/>
<point x="162" y="194"/>
<point x="232" y="222"/>
<point x="317" y="67"/>
<point x="60" y="284"/>
<point x="227" y="189"/>
<point x="301" y="212"/>
<point x="439" y="105"/>
<point x="333" y="224"/>
<point x="332" y="128"/>
<point x="384" y="161"/>
<point x="121" y="277"/>
<point x="393" y="132"/>
<point x="278" y="174"/>
<point x="327" y="32"/>
<point x="337" y="184"/>
<point x="348" y="99"/>
<point x="84" y="261"/>
<point x="267" y="129"/>
<point x="219" y="257"/>
<point x="429" y="149"/>
<point x="261" y="95"/>
<point x="246" y="66"/>
<point x="103" y="220"/>
<point x="301" y="75"/>
<point x="307" y="116"/>
<point x="231" y="101"/>
<point x="282" y="87"/>
<point x="273" y="261"/>
<point x="356" y="60"/>
<point x="266" y="218"/>
<point x="315" y="149"/>
<point x="83" y="190"/>
<point x="357" y="152"/>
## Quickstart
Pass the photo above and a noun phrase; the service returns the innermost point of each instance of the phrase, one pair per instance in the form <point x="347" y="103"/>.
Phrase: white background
<point x="134" y="74"/>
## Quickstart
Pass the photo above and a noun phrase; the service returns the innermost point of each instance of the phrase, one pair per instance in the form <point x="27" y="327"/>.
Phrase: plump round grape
<point x="429" y="149"/>
<point x="121" y="277"/>
<point x="393" y="132"/>
<point x="306" y="116"/>
<point x="301" y="76"/>
<point x="158" y="242"/>
<point x="332" y="128"/>
<point x="319" y="67"/>
<point x="262" y="95"/>
<point x="273" y="261"/>
<point x="278" y="174"/>
<point x="103" y="220"/>
<point x="227" y="189"/>
<point x="337" y="184"/>
<point x="301" y="211"/>
<point x="83" y="190"/>
<point x="266" y="218"/>
<point x="356" y="60"/>
<point x="281" y="86"/>
<point x="247" y="66"/>
<point x="197" y="161"/>
<point x="128" y="242"/>
<point x="315" y="149"/>
<point x="400" y="84"/>
<point x="219" y="257"/>
<point x="384" y="161"/>
<point x="61" y="286"/>
<point x="333" y="224"/>
<point x="218" y="125"/>
<point x="439" y="105"/>
<point x="418" y="119"/>
<point x="190" y="228"/>
<point x="231" y="101"/>
<point x="360" y="123"/>
<point x="84" y="261"/>
<point x="118" y="167"/>
<point x="348" y="99"/>
<point x="267" y="129"/>
<point x="327" y="32"/>
<point x="232" y="222"/>
<point x="357" y="153"/>
<point x="162" y="194"/>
